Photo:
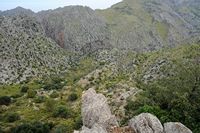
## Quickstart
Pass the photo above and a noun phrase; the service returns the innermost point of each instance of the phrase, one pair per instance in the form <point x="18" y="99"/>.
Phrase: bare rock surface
<point x="175" y="127"/>
<point x="96" y="110"/>
<point x="146" y="123"/>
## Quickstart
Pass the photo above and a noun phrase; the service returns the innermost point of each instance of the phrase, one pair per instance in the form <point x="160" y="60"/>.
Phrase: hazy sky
<point x="37" y="5"/>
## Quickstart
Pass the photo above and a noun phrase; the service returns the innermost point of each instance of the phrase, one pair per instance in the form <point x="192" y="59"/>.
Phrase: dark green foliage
<point x="174" y="98"/>
<point x="35" y="127"/>
<point x="78" y="122"/>
<point x="31" y="93"/>
<point x="24" y="89"/>
<point x="40" y="99"/>
<point x="1" y="131"/>
<point x="12" y="117"/>
<point x="5" y="100"/>
<point x="73" y="97"/>
<point x="61" y="129"/>
<point x="62" y="112"/>
<point x="54" y="83"/>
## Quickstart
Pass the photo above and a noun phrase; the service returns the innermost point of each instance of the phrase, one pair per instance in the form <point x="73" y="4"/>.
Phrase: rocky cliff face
<point x="97" y="118"/>
<point x="25" y="51"/>
<point x="76" y="28"/>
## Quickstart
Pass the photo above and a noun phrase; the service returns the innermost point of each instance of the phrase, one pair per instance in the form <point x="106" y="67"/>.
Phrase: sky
<point x="38" y="5"/>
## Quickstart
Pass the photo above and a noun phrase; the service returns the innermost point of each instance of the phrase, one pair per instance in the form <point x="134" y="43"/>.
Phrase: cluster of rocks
<point x="97" y="118"/>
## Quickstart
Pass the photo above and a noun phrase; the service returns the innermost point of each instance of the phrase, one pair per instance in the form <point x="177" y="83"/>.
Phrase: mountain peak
<point x="17" y="11"/>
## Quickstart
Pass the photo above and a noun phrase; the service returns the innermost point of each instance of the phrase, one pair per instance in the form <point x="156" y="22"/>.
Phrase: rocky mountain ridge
<point x="25" y="50"/>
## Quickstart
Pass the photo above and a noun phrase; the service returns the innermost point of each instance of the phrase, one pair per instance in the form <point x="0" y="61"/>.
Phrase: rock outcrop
<point x="146" y="123"/>
<point x="97" y="118"/>
<point x="95" y="110"/>
<point x="175" y="127"/>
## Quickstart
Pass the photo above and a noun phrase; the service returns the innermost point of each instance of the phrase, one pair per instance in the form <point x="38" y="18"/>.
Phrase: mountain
<point x="76" y="28"/>
<point x="25" y="51"/>
<point x="17" y="11"/>
<point x="75" y="68"/>
<point x="146" y="25"/>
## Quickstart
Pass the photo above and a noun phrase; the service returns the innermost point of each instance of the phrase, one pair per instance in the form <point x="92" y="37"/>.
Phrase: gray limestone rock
<point x="175" y="127"/>
<point x="146" y="123"/>
<point x="96" y="110"/>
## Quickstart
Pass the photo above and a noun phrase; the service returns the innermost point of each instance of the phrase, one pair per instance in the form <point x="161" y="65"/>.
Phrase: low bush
<point x="5" y="100"/>
<point x="24" y="89"/>
<point x="61" y="129"/>
<point x="12" y="117"/>
<point x="31" y="93"/>
<point x="78" y="123"/>
<point x="73" y="97"/>
<point x="62" y="112"/>
<point x="36" y="127"/>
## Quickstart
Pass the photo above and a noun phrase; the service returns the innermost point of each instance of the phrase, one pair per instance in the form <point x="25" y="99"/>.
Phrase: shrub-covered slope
<point x="146" y="25"/>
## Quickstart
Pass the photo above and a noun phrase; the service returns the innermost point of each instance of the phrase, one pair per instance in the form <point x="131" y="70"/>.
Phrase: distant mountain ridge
<point x="131" y="25"/>
<point x="139" y="25"/>
<point x="17" y="11"/>
<point x="146" y="25"/>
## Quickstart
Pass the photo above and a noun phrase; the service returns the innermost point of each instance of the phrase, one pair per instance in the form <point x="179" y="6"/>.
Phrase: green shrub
<point x="73" y="97"/>
<point x="31" y="93"/>
<point x="36" y="127"/>
<point x="40" y="99"/>
<point x="1" y="130"/>
<point x="91" y="78"/>
<point x="50" y="105"/>
<point x="24" y="89"/>
<point x="54" y="94"/>
<point x="78" y="123"/>
<point x="5" y="100"/>
<point x="60" y="129"/>
<point x="54" y="83"/>
<point x="62" y="112"/>
<point x="12" y="117"/>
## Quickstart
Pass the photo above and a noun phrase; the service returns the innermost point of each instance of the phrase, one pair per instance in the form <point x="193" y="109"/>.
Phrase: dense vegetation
<point x="175" y="97"/>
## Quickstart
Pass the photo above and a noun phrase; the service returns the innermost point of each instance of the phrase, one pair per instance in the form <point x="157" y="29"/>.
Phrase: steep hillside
<point x="144" y="25"/>
<point x="25" y="51"/>
<point x="76" y="28"/>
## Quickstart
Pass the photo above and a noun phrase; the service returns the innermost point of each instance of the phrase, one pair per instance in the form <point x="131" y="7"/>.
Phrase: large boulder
<point x="95" y="110"/>
<point x="146" y="123"/>
<point x="176" y="127"/>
